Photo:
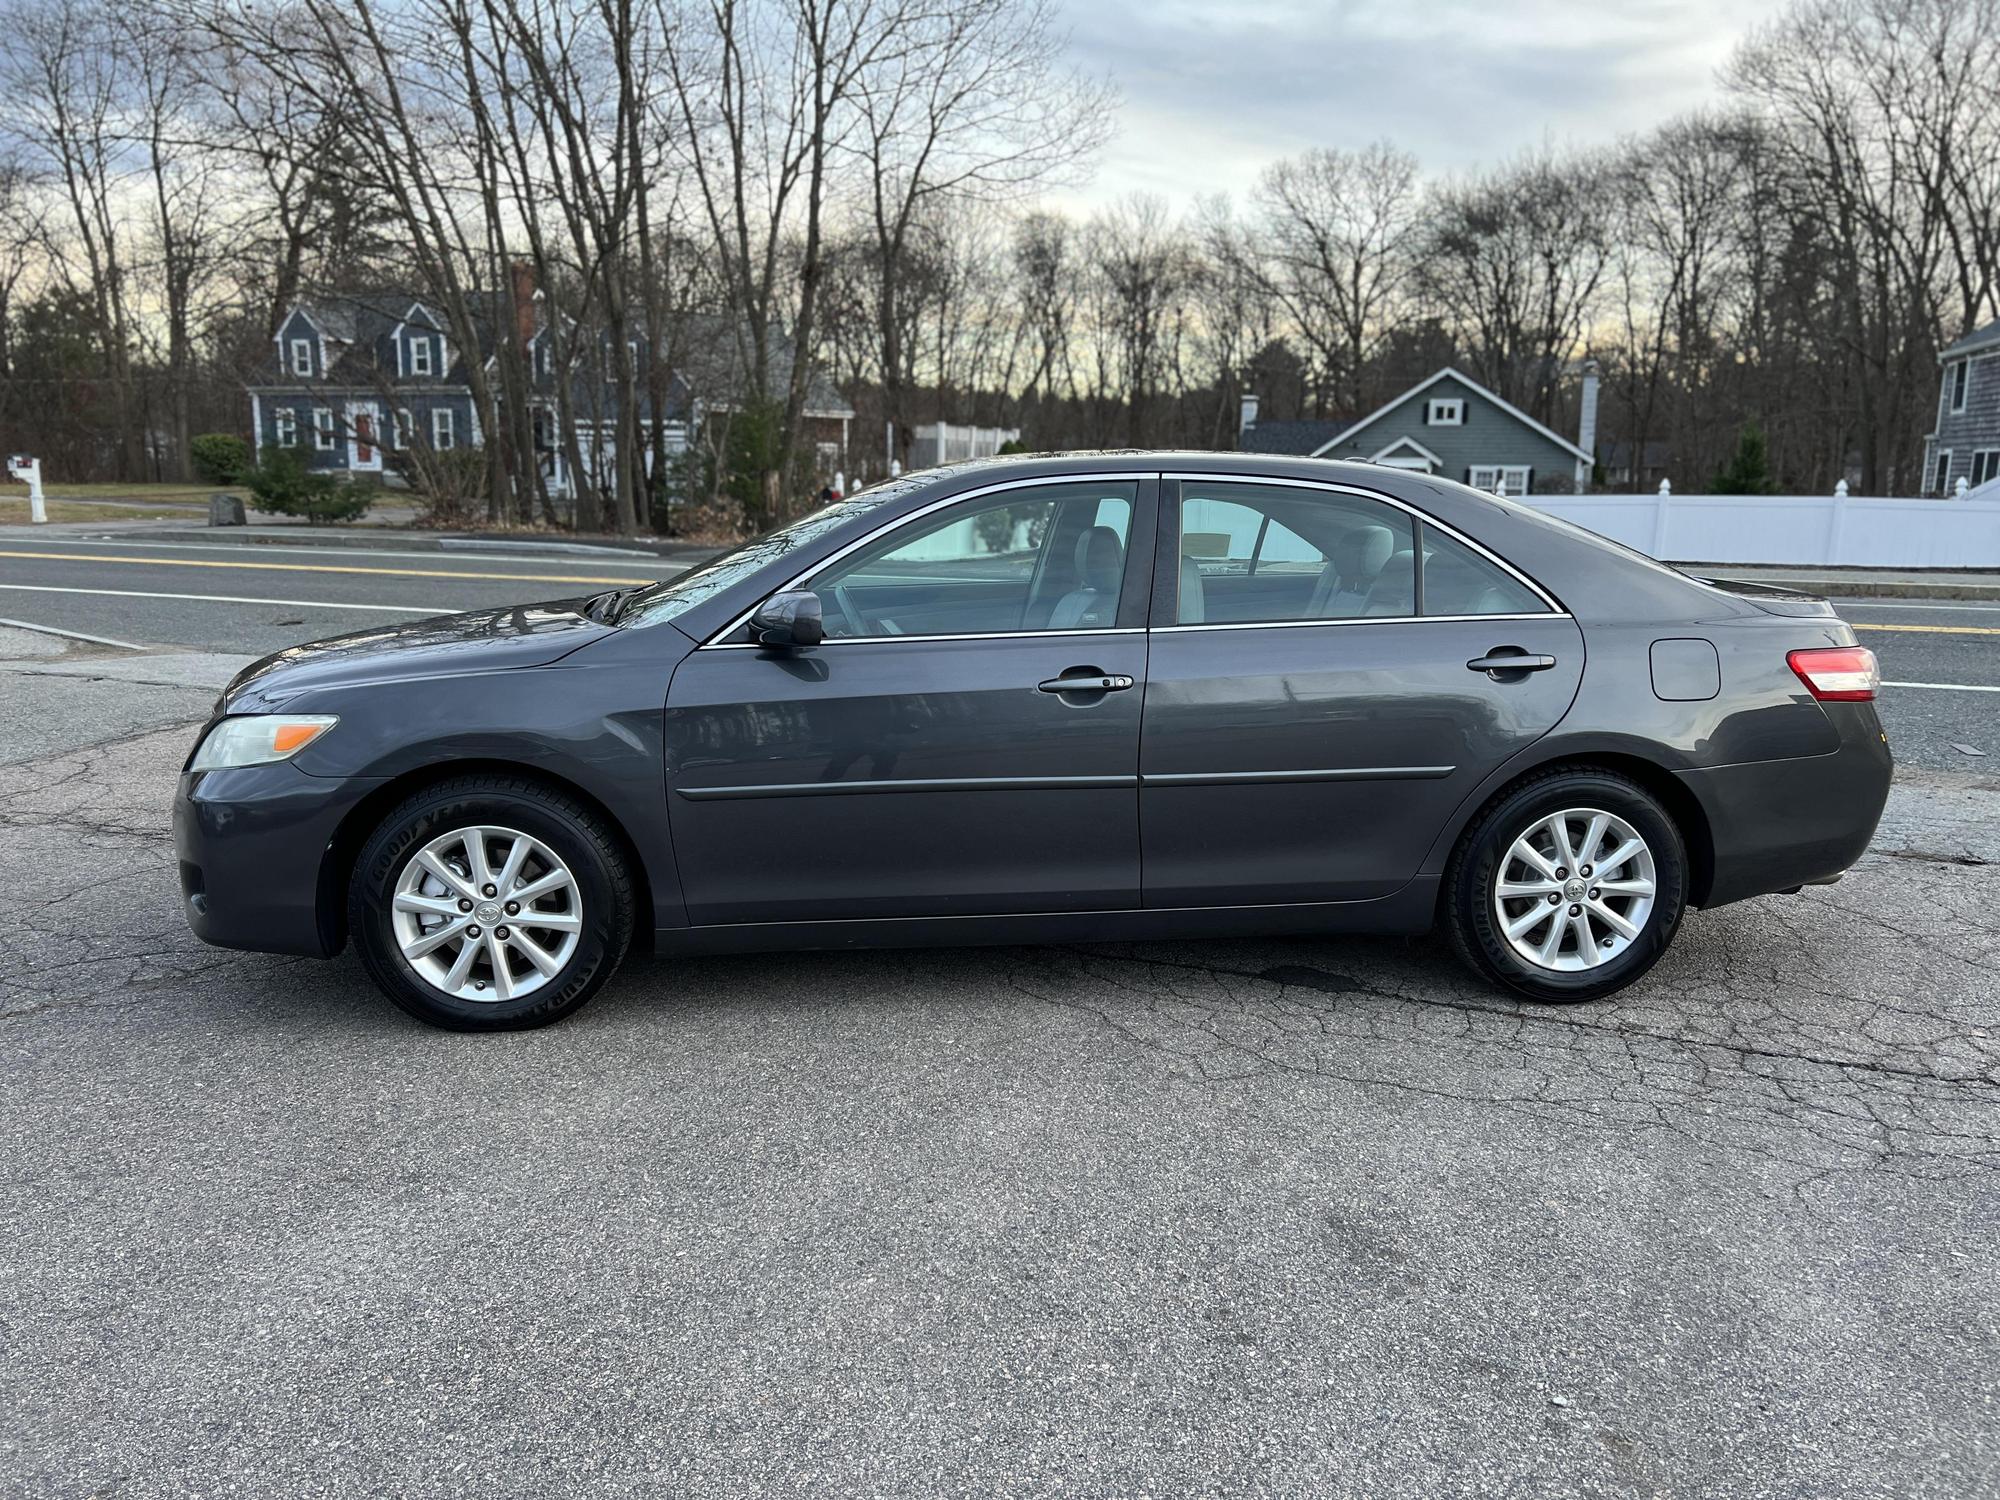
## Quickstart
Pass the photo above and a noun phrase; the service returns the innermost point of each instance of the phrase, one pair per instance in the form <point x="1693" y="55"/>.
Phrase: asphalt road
<point x="1248" y="1218"/>
<point x="1944" y="658"/>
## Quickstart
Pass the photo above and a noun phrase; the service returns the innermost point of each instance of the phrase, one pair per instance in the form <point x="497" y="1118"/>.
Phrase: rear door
<point x="966" y="740"/>
<point x="1312" y="713"/>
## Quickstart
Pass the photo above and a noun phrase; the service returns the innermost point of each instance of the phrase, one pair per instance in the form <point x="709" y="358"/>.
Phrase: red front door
<point x="364" y="437"/>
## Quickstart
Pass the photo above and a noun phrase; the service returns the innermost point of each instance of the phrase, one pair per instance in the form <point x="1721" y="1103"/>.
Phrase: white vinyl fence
<point x="1844" y="531"/>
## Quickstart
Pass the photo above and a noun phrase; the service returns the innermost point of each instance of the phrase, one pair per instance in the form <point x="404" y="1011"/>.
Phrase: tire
<point x="1593" y="956"/>
<point x="411" y="917"/>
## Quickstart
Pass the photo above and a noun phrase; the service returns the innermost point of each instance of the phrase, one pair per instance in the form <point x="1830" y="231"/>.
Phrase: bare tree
<point x="1335" y="236"/>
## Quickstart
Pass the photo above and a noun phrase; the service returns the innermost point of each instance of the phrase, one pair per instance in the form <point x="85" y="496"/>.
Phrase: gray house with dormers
<point x="1966" y="443"/>
<point x="1448" y="425"/>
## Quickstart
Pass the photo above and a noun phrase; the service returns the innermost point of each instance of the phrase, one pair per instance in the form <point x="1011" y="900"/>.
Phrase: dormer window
<point x="420" y="356"/>
<point x="302" y="356"/>
<point x="1445" y="411"/>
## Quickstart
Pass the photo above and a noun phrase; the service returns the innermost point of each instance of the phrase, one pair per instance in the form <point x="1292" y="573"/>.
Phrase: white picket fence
<point x="1842" y="530"/>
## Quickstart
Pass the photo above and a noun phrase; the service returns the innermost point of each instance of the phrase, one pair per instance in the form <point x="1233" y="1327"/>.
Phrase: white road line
<point x="1947" y="687"/>
<point x="72" y="635"/>
<point x="394" y="609"/>
<point x="1970" y="609"/>
<point x="665" y="569"/>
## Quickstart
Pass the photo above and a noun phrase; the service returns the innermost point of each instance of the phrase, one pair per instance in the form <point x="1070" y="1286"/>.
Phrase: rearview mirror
<point x="788" y="621"/>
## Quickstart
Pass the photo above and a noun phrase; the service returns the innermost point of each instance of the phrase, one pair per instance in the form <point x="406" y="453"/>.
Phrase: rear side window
<point x="1458" y="581"/>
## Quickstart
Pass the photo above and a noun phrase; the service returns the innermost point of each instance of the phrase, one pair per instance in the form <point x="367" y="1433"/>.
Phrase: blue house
<point x="1449" y="425"/>
<point x="1966" y="442"/>
<point x="358" y="380"/>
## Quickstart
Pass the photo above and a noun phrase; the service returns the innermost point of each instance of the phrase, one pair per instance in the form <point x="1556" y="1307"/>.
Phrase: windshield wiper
<point x="604" y="607"/>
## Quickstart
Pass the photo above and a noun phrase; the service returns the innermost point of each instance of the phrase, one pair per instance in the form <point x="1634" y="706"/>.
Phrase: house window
<point x="323" y="428"/>
<point x="420" y="356"/>
<point x="1506" y="479"/>
<point x="285" y="427"/>
<point x="406" y="428"/>
<point x="1985" y="466"/>
<point x="441" y="428"/>
<point x="302" y="356"/>
<point x="1445" y="412"/>
<point x="1959" y="375"/>
<point x="1943" y="476"/>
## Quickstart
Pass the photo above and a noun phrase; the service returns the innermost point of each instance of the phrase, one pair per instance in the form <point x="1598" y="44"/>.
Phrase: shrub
<point x="219" y="457"/>
<point x="282" y="485"/>
<point x="1748" y="471"/>
<point x="448" y="484"/>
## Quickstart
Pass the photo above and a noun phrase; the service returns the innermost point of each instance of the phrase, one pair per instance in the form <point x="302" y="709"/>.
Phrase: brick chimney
<point x="524" y="300"/>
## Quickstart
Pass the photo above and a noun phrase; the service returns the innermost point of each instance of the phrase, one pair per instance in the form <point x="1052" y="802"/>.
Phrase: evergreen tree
<point x="1748" y="471"/>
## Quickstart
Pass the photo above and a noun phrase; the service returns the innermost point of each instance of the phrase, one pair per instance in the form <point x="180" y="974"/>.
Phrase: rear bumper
<point x="252" y="844"/>
<point x="1779" y="824"/>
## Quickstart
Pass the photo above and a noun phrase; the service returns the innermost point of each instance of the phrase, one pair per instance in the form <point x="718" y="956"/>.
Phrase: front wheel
<point x="1568" y="887"/>
<point x="490" y="904"/>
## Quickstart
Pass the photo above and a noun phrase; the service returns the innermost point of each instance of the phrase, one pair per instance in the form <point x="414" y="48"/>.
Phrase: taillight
<point x="1838" y="674"/>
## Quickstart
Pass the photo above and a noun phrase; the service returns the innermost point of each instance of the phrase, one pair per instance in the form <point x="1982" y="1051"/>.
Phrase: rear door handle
<point x="1508" y="661"/>
<point x="1094" y="682"/>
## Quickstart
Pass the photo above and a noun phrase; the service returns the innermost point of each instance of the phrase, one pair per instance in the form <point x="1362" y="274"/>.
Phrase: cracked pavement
<point x="1218" y="1218"/>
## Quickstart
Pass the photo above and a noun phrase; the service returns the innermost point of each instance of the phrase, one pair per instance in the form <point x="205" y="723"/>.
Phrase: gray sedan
<point x="1066" y="698"/>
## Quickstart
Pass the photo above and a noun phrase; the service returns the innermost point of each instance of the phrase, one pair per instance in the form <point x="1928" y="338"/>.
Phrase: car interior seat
<point x="1100" y="567"/>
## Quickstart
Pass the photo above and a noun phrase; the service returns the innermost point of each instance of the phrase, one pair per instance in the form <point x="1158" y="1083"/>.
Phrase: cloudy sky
<point x="1214" y="89"/>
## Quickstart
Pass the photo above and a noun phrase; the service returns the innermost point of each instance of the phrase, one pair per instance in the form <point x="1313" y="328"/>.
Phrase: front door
<point x="928" y="759"/>
<point x="1311" y="718"/>
<point x="363" y="452"/>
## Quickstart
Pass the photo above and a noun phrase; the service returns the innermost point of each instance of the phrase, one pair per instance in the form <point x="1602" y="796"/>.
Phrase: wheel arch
<point x="1689" y="816"/>
<point x="337" y="864"/>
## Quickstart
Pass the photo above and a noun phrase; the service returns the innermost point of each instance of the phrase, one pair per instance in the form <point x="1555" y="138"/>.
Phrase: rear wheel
<point x="1569" y="886"/>
<point x="490" y="904"/>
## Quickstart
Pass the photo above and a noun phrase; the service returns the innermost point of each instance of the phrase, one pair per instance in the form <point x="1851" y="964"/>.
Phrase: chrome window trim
<point x="977" y="635"/>
<point x="717" y="642"/>
<point x="1390" y="500"/>
<point x="1540" y="614"/>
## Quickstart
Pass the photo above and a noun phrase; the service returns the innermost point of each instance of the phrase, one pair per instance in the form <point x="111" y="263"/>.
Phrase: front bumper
<point x="1780" y="824"/>
<point x="253" y="845"/>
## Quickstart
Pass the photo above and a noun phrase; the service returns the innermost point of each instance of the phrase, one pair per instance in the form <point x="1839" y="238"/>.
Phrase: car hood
<point x="493" y="640"/>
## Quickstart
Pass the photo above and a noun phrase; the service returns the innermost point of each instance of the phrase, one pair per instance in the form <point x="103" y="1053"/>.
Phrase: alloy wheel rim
<point x="486" y="914"/>
<point x="1575" y="890"/>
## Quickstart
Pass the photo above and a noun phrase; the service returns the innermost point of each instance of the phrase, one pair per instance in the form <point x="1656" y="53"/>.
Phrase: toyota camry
<point x="1065" y="698"/>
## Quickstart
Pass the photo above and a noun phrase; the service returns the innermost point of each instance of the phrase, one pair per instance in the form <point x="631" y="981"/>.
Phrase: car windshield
<point x="657" y="602"/>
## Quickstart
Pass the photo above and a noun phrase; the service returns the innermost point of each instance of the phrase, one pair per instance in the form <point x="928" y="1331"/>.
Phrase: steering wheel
<point x="856" y="625"/>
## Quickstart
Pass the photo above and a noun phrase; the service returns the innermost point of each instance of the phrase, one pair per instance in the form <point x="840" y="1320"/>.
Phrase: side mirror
<point x="789" y="621"/>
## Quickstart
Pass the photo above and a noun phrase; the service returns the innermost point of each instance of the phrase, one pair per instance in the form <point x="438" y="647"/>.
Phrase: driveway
<point x="1262" y="1217"/>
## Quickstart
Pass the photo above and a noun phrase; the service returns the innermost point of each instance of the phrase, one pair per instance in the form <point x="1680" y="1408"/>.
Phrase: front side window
<point x="442" y="429"/>
<point x="285" y="427"/>
<point x="1959" y="375"/>
<point x="323" y="428"/>
<point x="302" y="357"/>
<point x="1252" y="553"/>
<point x="1043" y="557"/>
<point x="406" y="427"/>
<point x="1985" y="466"/>
<point x="1943" y="476"/>
<point x="420" y="356"/>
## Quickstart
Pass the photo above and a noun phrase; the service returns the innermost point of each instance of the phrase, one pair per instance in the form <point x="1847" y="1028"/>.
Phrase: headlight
<point x="253" y="739"/>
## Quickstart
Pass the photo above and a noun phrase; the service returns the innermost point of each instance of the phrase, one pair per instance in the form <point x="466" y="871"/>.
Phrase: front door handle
<point x="1510" y="661"/>
<point x="1088" y="680"/>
